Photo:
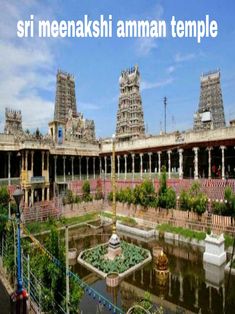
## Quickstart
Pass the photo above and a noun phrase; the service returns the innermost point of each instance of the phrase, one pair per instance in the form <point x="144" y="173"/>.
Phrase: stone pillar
<point x="23" y="160"/>
<point x="48" y="194"/>
<point x="209" y="149"/>
<point x="125" y="158"/>
<point x="94" y="167"/>
<point x="105" y="166"/>
<point x="72" y="167"/>
<point x="181" y="173"/>
<point x="48" y="164"/>
<point x="195" y="149"/>
<point x="32" y="196"/>
<point x="26" y="160"/>
<point x="43" y="194"/>
<point x="87" y="167"/>
<point x="169" y="163"/>
<point x="64" y="159"/>
<point x="100" y="163"/>
<point x="32" y="161"/>
<point x="159" y="162"/>
<point x="133" y="166"/>
<point x="43" y="154"/>
<point x="118" y="166"/>
<point x="9" y="167"/>
<point x="80" y="168"/>
<point x="55" y="168"/>
<point x="150" y="164"/>
<point x="141" y="166"/>
<point x="223" y="163"/>
<point x="26" y="197"/>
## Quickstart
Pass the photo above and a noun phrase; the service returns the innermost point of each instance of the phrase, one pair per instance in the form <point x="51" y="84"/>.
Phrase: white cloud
<point x="145" y="45"/>
<point x="179" y="57"/>
<point x="170" y="69"/>
<point x="150" y="85"/>
<point x="26" y="67"/>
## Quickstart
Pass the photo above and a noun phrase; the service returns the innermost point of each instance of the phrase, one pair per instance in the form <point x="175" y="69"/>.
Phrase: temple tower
<point x="130" y="117"/>
<point x="65" y="96"/>
<point x="210" y="114"/>
<point x="13" y="121"/>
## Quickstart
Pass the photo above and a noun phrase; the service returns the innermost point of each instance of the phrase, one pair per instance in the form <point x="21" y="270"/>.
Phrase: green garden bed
<point x="38" y="227"/>
<point x="131" y="256"/>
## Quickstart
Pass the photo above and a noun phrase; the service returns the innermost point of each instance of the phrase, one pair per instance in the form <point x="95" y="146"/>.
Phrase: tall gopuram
<point x="65" y="96"/>
<point x="130" y="117"/>
<point x="13" y="122"/>
<point x="210" y="114"/>
<point x="68" y="124"/>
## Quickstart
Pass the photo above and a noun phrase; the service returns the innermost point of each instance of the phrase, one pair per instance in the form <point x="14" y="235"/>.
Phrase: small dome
<point x="114" y="239"/>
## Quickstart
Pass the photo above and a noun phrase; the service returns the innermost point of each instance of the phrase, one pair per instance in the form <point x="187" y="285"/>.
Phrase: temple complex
<point x="44" y="165"/>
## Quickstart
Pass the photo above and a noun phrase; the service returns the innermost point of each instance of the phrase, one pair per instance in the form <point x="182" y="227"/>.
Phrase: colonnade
<point x="35" y="182"/>
<point x="180" y="162"/>
<point x="127" y="163"/>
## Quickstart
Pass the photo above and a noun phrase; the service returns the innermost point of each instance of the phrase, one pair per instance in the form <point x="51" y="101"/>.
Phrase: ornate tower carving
<point x="69" y="124"/>
<point x="65" y="96"/>
<point x="210" y="114"/>
<point x="130" y="117"/>
<point x="13" y="122"/>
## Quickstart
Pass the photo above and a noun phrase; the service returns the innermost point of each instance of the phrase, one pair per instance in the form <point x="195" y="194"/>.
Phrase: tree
<point x="4" y="200"/>
<point x="166" y="195"/>
<point x="86" y="189"/>
<point x="194" y="199"/>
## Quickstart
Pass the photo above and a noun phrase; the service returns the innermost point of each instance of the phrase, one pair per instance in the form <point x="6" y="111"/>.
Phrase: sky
<point x="168" y="66"/>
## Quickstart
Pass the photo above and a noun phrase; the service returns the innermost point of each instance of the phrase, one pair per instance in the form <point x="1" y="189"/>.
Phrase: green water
<point x="191" y="287"/>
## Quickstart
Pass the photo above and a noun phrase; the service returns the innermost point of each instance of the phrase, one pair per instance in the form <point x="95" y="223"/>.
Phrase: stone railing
<point x="37" y="179"/>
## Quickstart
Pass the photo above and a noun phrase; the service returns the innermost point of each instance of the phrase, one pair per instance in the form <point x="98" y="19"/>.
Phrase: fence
<point x="32" y="284"/>
<point x="42" y="211"/>
<point x="178" y="218"/>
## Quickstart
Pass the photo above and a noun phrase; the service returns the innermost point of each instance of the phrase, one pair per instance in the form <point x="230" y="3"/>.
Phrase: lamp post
<point x="20" y="296"/>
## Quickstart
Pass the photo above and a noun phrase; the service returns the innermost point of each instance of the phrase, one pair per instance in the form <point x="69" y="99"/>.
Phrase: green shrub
<point x="229" y="198"/>
<point x="163" y="181"/>
<point x="128" y="221"/>
<point x="77" y="199"/>
<point x="87" y="198"/>
<point x="86" y="188"/>
<point x="194" y="199"/>
<point x="4" y="199"/>
<point x="166" y="195"/>
<point x="170" y="198"/>
<point x="145" y="194"/>
<point x="4" y="196"/>
<point x="184" y="200"/>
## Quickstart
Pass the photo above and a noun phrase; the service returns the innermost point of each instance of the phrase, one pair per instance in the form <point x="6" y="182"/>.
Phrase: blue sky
<point x="169" y="67"/>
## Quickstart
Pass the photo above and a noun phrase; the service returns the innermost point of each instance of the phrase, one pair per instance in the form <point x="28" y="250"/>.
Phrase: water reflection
<point x="191" y="287"/>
